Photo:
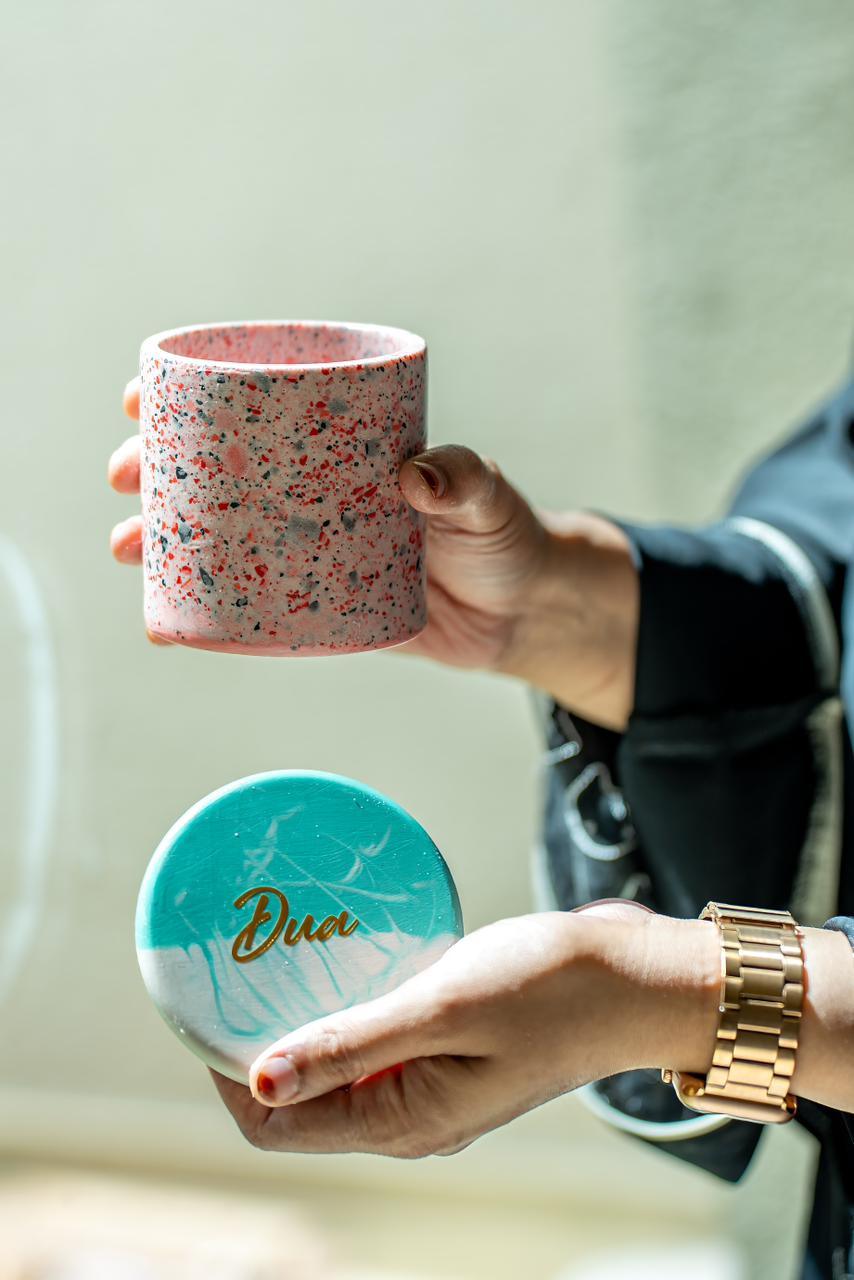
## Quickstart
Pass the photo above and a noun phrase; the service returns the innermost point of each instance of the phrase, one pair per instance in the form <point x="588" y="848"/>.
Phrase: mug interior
<point x="289" y="343"/>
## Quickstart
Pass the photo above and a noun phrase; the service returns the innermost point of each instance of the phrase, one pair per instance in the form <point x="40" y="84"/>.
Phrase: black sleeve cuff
<point x="719" y="627"/>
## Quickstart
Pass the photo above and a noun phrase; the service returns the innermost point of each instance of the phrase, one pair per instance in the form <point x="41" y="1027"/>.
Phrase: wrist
<point x="827" y="1026"/>
<point x="576" y="631"/>
<point x="665" y="976"/>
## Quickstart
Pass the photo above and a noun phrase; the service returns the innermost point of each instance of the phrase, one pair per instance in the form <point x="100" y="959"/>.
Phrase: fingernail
<point x="436" y="479"/>
<point x="277" y="1080"/>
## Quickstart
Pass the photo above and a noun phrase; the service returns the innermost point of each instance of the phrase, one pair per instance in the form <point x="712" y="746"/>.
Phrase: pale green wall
<point x="737" y="155"/>
<point x="625" y="230"/>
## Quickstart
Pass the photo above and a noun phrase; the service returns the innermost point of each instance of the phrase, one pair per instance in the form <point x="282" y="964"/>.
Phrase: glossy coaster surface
<point x="283" y="897"/>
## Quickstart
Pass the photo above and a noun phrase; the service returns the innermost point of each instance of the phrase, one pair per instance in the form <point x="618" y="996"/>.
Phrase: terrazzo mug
<point x="273" y="521"/>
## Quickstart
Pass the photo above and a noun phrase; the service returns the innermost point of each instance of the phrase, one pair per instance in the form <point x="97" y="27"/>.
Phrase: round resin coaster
<point x="283" y="897"/>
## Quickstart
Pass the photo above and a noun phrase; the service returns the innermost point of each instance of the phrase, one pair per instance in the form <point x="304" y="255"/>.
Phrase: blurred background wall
<point x="626" y="232"/>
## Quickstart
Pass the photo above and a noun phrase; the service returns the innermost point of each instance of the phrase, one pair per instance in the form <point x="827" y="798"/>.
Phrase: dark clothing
<point x="734" y="780"/>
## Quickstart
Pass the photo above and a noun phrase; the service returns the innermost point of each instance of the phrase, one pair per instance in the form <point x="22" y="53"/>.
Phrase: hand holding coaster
<point x="273" y="521"/>
<point x="281" y="898"/>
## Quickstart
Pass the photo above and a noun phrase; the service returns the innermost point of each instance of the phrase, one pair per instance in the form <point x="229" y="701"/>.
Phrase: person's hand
<point x="550" y="599"/>
<point x="123" y="475"/>
<point x="509" y="1017"/>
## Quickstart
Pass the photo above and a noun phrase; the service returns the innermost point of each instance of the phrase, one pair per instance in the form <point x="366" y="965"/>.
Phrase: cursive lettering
<point x="246" y="945"/>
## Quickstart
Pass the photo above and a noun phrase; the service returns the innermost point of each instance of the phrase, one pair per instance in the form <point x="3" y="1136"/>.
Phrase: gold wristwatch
<point x="762" y="996"/>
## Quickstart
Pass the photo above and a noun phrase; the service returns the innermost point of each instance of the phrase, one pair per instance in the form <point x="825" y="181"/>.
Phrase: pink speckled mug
<point x="273" y="519"/>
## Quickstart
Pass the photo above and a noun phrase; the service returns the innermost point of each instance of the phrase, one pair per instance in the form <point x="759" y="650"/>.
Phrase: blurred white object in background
<point x="701" y="1260"/>
<point x="131" y="1264"/>
<point x="99" y="1264"/>
<point x="115" y="1229"/>
<point x="29" y="697"/>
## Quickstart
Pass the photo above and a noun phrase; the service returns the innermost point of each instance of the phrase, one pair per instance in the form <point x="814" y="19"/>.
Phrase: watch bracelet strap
<point x="762" y="991"/>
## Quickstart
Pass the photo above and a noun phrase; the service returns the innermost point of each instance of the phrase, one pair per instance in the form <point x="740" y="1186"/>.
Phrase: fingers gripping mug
<point x="273" y="518"/>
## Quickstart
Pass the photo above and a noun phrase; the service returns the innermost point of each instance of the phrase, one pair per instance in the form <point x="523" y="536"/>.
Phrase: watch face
<point x="281" y="898"/>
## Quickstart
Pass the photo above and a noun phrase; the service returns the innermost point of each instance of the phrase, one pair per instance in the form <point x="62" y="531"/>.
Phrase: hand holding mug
<point x="550" y="599"/>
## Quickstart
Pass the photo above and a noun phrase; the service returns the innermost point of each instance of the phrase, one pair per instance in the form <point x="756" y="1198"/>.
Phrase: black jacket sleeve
<point x="733" y="780"/>
<point x="726" y="762"/>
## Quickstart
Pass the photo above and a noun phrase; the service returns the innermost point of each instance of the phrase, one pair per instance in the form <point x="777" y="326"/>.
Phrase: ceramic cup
<point x="273" y="518"/>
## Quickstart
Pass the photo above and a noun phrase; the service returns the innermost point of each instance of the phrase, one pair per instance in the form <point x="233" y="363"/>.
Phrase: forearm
<point x="617" y="621"/>
<point x="576" y="635"/>
<point x="825" y="1063"/>
<point x="667" y="973"/>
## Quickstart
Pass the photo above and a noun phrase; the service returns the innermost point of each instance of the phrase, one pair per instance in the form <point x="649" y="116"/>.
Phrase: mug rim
<point x="410" y="344"/>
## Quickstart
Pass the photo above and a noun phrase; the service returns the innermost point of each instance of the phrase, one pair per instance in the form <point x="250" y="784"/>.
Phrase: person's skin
<point x="528" y="1008"/>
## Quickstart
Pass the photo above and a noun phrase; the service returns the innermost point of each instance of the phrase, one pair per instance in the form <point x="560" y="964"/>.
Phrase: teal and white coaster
<point x="283" y="897"/>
